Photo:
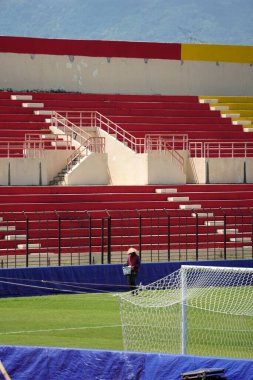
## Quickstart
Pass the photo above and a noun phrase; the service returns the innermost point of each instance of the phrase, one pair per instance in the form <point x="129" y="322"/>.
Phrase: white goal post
<point x="199" y="310"/>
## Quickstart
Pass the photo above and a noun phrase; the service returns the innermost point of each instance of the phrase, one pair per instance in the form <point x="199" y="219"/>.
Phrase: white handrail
<point x="93" y="144"/>
<point x="168" y="143"/>
<point x="74" y="130"/>
<point x="79" y="119"/>
<point x="136" y="144"/>
<point x="230" y="149"/>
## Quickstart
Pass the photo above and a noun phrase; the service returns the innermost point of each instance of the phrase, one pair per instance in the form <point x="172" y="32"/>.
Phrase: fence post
<point x="109" y="223"/>
<point x="90" y="237"/>
<point x="225" y="234"/>
<point x="27" y="240"/>
<point x="140" y="231"/>
<point x="102" y="241"/>
<point x="59" y="238"/>
<point x="196" y="233"/>
<point x="168" y="232"/>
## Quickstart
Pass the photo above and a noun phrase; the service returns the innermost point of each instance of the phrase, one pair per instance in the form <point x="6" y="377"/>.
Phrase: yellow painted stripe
<point x="229" y="99"/>
<point x="242" y="118"/>
<point x="217" y="53"/>
<point x="234" y="106"/>
<point x="243" y="113"/>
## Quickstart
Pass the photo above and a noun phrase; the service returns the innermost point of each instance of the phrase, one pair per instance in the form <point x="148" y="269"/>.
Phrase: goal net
<point x="197" y="310"/>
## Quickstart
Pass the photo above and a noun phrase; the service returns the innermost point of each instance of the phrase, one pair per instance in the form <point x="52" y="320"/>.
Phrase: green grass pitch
<point x="83" y="321"/>
<point x="92" y="321"/>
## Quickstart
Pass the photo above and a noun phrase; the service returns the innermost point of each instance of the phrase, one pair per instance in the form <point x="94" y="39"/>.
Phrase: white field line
<point x="62" y="329"/>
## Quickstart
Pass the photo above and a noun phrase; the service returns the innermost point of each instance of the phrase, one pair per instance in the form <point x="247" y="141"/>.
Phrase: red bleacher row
<point x="85" y="213"/>
<point x="137" y="114"/>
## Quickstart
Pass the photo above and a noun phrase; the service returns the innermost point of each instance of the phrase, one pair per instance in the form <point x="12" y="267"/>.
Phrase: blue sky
<point x="197" y="21"/>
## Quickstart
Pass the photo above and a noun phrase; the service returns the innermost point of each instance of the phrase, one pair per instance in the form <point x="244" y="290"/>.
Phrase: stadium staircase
<point x="237" y="108"/>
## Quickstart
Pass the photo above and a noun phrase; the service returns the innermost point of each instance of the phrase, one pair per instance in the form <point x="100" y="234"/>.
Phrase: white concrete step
<point x="43" y="254"/>
<point x="214" y="223"/>
<point x="15" y="237"/>
<point x="31" y="245"/>
<point x="208" y="101"/>
<point x="242" y="239"/>
<point x="56" y="130"/>
<point x="7" y="228"/>
<point x="225" y="115"/>
<point x="165" y="191"/>
<point x="247" y="247"/>
<point x="247" y="129"/>
<point x="60" y="143"/>
<point x="190" y="207"/>
<point x="21" y="97"/>
<point x="33" y="105"/>
<point x="178" y="199"/>
<point x="47" y="120"/>
<point x="204" y="215"/>
<point x="219" y="108"/>
<point x="241" y="122"/>
<point x="228" y="231"/>
<point x="42" y="112"/>
<point x="48" y="136"/>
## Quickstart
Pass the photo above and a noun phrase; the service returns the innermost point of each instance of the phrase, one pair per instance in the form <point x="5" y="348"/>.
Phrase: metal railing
<point x="103" y="236"/>
<point x="168" y="143"/>
<point x="91" y="145"/>
<point x="230" y="149"/>
<point x="33" y="145"/>
<point x="75" y="122"/>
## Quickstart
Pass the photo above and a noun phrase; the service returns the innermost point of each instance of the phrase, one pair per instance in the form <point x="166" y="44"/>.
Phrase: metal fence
<point x="103" y="236"/>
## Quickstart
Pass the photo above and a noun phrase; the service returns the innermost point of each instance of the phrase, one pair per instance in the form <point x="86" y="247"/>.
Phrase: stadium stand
<point x="96" y="224"/>
<point x="199" y="209"/>
<point x="146" y="96"/>
<point x="178" y="222"/>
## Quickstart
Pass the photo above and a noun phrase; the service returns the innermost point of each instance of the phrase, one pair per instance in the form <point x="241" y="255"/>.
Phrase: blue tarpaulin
<point x="89" y="278"/>
<point x="40" y="363"/>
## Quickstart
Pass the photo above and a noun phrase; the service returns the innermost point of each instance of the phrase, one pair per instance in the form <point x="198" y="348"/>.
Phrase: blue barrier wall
<point x="90" y="278"/>
<point x="40" y="363"/>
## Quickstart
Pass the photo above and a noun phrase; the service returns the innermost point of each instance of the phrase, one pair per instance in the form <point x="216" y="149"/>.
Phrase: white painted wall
<point x="4" y="171"/>
<point x="53" y="162"/>
<point x="125" y="166"/>
<point x="196" y="170"/>
<point x="19" y="171"/>
<point x="162" y="169"/>
<point x="121" y="166"/>
<point x="249" y="170"/>
<point x="32" y="171"/>
<point x="93" y="170"/>
<point x="124" y="75"/>
<point x="226" y="170"/>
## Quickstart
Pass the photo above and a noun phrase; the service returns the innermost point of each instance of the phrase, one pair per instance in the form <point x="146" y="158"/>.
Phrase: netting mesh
<point x="209" y="310"/>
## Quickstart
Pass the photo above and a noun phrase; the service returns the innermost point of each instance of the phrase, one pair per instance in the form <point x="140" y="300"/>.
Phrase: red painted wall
<point x="90" y="48"/>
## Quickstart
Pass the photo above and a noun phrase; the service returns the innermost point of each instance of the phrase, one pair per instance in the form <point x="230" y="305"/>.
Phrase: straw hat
<point x="132" y="250"/>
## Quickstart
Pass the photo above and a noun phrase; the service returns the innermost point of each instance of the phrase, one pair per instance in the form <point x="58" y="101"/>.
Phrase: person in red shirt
<point x="134" y="262"/>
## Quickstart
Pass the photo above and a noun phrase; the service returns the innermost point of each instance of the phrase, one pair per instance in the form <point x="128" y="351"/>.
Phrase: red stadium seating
<point x="95" y="219"/>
